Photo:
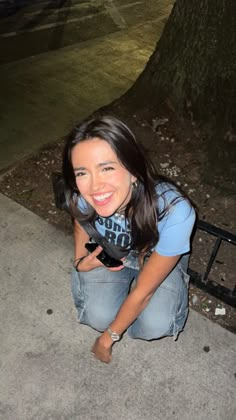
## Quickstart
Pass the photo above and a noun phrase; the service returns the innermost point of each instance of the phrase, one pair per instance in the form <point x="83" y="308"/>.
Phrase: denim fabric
<point x="98" y="295"/>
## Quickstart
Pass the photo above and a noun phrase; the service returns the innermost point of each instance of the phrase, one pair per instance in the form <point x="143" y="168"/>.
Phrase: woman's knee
<point x="147" y="328"/>
<point x="165" y="314"/>
<point x="97" y="318"/>
<point x="97" y="303"/>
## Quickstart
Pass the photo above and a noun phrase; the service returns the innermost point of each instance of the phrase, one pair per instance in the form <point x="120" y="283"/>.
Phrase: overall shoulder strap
<point x="92" y="232"/>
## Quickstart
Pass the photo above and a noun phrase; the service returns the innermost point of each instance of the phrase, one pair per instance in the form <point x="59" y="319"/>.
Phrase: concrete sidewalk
<point x="47" y="371"/>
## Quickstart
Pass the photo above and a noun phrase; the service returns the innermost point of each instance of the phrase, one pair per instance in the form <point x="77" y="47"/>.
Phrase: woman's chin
<point x="104" y="212"/>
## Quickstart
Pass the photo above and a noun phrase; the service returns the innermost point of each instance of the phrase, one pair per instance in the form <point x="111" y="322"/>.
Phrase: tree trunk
<point x="193" y="70"/>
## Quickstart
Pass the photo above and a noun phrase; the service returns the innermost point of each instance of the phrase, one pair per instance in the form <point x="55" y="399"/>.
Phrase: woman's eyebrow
<point x="108" y="162"/>
<point x="81" y="168"/>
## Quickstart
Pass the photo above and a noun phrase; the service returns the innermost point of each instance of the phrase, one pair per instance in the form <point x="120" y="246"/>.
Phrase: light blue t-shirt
<point x="174" y="228"/>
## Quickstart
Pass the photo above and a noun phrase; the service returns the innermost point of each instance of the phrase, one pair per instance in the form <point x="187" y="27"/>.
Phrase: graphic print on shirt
<point x="113" y="231"/>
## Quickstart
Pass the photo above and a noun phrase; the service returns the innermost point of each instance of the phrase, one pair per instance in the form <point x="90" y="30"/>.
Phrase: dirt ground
<point x="177" y="149"/>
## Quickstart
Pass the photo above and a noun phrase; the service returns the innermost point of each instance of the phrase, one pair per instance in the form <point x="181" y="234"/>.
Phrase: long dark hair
<point x="142" y="209"/>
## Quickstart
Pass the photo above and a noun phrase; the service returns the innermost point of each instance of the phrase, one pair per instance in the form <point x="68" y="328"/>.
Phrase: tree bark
<point x="193" y="70"/>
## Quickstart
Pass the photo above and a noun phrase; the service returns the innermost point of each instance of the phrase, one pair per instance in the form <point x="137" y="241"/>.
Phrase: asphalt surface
<point x="46" y="369"/>
<point x="58" y="65"/>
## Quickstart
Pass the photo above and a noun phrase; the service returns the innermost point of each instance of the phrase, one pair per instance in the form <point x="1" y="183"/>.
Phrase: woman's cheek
<point x="83" y="187"/>
<point x="79" y="185"/>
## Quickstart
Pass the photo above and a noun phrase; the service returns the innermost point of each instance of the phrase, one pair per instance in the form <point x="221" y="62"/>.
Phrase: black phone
<point x="103" y="256"/>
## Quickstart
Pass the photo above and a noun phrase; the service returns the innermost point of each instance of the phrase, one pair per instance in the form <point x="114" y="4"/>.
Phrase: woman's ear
<point x="135" y="183"/>
<point x="133" y="179"/>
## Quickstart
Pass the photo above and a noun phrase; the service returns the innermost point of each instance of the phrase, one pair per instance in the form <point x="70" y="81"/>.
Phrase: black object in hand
<point x="103" y="256"/>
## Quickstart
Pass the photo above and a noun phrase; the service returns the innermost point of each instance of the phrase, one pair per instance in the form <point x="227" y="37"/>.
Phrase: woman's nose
<point x="96" y="182"/>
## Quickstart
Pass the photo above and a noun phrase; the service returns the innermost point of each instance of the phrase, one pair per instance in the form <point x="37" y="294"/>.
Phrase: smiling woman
<point x="115" y="187"/>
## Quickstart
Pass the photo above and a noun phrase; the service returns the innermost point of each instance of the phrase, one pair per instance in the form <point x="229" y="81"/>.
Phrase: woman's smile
<point x="102" y="199"/>
<point x="100" y="177"/>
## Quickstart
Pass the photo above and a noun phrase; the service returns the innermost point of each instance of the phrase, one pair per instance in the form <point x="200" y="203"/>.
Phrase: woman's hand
<point x="102" y="348"/>
<point x="91" y="261"/>
<point x="116" y="268"/>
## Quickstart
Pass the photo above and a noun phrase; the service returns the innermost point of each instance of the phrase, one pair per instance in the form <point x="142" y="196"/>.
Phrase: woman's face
<point x="101" y="179"/>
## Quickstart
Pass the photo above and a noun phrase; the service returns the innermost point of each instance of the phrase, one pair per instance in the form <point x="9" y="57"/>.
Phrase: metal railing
<point x="202" y="280"/>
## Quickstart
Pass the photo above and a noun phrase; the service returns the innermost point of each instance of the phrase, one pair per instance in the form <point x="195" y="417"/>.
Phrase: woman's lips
<point x="102" y="199"/>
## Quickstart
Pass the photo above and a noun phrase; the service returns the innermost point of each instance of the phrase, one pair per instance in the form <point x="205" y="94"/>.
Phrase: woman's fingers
<point x="116" y="268"/>
<point x="96" y="263"/>
<point x="97" y="251"/>
<point x="100" y="352"/>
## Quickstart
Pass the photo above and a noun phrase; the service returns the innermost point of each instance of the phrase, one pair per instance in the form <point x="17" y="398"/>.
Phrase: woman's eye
<point x="108" y="168"/>
<point x="78" y="174"/>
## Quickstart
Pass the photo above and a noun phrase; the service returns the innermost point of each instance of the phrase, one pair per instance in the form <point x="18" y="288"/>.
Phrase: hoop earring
<point x="135" y="184"/>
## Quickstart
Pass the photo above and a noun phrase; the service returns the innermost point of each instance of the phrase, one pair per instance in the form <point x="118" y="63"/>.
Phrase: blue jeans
<point x="98" y="294"/>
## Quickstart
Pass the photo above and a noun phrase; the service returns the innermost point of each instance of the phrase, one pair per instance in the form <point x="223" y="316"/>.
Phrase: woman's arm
<point x="154" y="272"/>
<point x="80" y="239"/>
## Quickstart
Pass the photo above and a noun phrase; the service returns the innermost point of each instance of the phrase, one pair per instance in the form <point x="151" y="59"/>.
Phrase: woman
<point x="116" y="188"/>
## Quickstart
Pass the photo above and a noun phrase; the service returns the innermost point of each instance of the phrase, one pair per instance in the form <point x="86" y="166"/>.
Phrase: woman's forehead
<point x="93" y="150"/>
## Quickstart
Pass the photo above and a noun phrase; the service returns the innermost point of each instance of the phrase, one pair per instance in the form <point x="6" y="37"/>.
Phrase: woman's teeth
<point x="102" y="197"/>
